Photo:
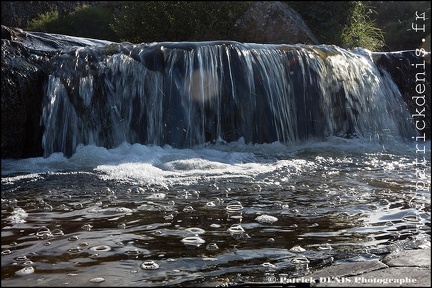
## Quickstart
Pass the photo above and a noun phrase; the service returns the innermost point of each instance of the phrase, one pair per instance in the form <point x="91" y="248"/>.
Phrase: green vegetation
<point x="149" y="21"/>
<point x="45" y="22"/>
<point x="375" y="25"/>
<point x="395" y="19"/>
<point x="85" y="21"/>
<point x="343" y="23"/>
<point x="361" y="31"/>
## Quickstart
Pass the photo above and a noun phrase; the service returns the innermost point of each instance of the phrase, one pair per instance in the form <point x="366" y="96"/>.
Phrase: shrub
<point x="361" y="31"/>
<point x="92" y="22"/>
<point x="45" y="22"/>
<point x="343" y="23"/>
<point x="155" y="21"/>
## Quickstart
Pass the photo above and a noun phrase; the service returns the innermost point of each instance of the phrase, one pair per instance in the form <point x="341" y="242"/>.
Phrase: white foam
<point x="139" y="164"/>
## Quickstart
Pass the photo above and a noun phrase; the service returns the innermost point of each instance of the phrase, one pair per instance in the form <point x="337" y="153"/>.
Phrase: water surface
<point x="143" y="215"/>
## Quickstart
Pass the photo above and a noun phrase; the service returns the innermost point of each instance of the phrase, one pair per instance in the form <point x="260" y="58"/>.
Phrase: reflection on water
<point x="149" y="216"/>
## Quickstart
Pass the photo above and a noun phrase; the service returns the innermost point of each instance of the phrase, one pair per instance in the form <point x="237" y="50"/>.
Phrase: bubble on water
<point x="149" y="265"/>
<point x="280" y="205"/>
<point x="212" y="247"/>
<point x="44" y="233"/>
<point x="188" y="209"/>
<point x="78" y="206"/>
<point x="268" y="265"/>
<point x="270" y="240"/>
<point x="122" y="226"/>
<point x="293" y="226"/>
<point x="238" y="216"/>
<point x="25" y="271"/>
<point x="266" y="219"/>
<point x="157" y="196"/>
<point x="94" y="210"/>
<point x="300" y="260"/>
<point x="314" y="225"/>
<point x="411" y="218"/>
<point x="57" y="232"/>
<point x="47" y="243"/>
<point x="101" y="248"/>
<point x="94" y="256"/>
<point x="214" y="225"/>
<point x="6" y="252"/>
<point x="28" y="262"/>
<point x="13" y="244"/>
<point x="84" y="244"/>
<point x="193" y="241"/>
<point x="86" y="227"/>
<point x="209" y="259"/>
<point x="73" y="238"/>
<point x="47" y="207"/>
<point x="169" y="217"/>
<point x="97" y="280"/>
<point x="236" y="229"/>
<point x="63" y="207"/>
<point x="234" y="206"/>
<point x="123" y="210"/>
<point x="21" y="258"/>
<point x="257" y="187"/>
<point x="195" y="230"/>
<point x="134" y="252"/>
<point x="194" y="193"/>
<point x="210" y="204"/>
<point x="74" y="250"/>
<point x="148" y="207"/>
<point x="136" y="190"/>
<point x="297" y="249"/>
<point x="326" y="246"/>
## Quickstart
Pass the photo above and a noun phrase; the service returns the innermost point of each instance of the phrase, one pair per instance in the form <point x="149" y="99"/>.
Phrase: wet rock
<point x="346" y="269"/>
<point x="409" y="258"/>
<point x="21" y="84"/>
<point x="391" y="277"/>
<point x="410" y="70"/>
<point x="272" y="22"/>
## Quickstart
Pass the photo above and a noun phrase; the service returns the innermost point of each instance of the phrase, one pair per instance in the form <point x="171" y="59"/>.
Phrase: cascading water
<point x="186" y="94"/>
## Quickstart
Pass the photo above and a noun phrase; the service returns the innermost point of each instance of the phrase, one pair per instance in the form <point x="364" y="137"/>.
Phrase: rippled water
<point x="152" y="216"/>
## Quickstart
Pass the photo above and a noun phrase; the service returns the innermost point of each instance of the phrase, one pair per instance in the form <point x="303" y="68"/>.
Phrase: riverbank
<point x="406" y="268"/>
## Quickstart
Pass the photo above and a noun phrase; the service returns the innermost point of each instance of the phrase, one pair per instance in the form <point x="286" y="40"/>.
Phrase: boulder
<point x="23" y="74"/>
<point x="272" y="22"/>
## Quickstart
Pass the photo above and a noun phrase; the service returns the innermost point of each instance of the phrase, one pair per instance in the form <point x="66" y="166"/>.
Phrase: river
<point x="143" y="215"/>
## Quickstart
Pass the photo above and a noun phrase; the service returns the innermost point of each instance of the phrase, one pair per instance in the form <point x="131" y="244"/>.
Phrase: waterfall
<point x="191" y="93"/>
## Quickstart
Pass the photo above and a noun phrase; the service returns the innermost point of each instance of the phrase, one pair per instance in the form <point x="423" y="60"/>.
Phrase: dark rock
<point x="347" y="269"/>
<point x="272" y="22"/>
<point x="409" y="69"/>
<point x="409" y="258"/>
<point x="22" y="81"/>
